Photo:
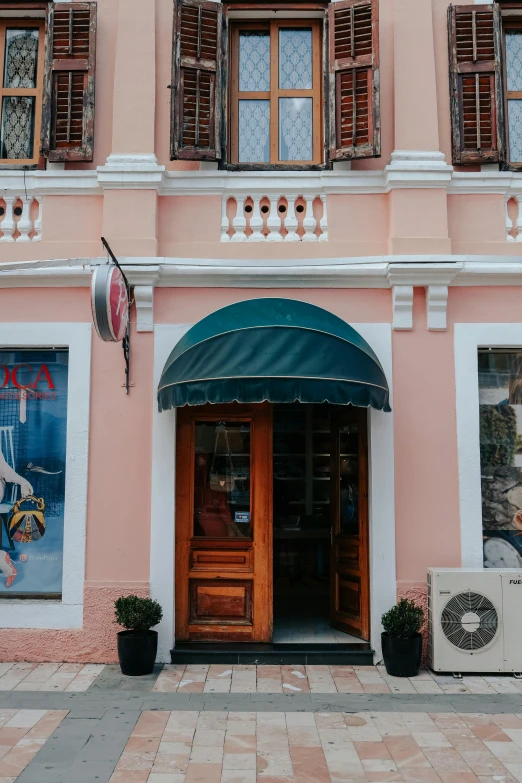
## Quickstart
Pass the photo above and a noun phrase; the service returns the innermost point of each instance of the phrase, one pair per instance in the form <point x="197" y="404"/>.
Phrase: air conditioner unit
<point x="475" y="620"/>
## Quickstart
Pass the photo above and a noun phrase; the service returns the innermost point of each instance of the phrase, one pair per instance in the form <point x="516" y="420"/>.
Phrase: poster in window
<point x="500" y="399"/>
<point x="33" y="431"/>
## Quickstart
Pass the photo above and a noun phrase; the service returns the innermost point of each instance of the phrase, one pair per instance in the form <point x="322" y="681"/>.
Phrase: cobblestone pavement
<point x="79" y="724"/>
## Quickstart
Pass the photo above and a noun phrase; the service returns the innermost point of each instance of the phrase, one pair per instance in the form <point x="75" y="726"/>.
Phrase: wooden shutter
<point x="68" y="101"/>
<point x="196" y="80"/>
<point x="354" y="79"/>
<point x="476" y="91"/>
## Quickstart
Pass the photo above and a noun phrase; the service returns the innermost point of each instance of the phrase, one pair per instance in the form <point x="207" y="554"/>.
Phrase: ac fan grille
<point x="452" y="621"/>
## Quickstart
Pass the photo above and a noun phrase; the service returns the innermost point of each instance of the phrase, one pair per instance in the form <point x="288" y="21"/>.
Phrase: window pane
<point x="500" y="398"/>
<point x="21" y="58"/>
<point x="17" y="132"/>
<point x="515" y="130"/>
<point x="254" y="61"/>
<point x="349" y="479"/>
<point x="222" y="479"/>
<point x="295" y="59"/>
<point x="295" y="129"/>
<point x="254" y="131"/>
<point x="514" y="60"/>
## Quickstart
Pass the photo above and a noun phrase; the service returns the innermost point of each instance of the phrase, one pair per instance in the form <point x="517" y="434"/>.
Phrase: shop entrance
<point x="272" y="523"/>
<point x="319" y="524"/>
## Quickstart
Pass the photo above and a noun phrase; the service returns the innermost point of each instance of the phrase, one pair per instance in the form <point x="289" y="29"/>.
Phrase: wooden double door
<point x="224" y="523"/>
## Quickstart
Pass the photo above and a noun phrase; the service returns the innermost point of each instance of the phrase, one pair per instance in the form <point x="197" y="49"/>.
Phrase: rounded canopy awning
<point x="280" y="350"/>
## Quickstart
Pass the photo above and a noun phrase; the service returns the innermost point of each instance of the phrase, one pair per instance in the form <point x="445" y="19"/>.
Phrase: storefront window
<point x="222" y="479"/>
<point x="500" y="398"/>
<point x="33" y="430"/>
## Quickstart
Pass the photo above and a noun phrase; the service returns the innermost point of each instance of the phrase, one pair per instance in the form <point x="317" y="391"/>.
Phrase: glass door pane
<point x="349" y="479"/>
<point x="222" y="503"/>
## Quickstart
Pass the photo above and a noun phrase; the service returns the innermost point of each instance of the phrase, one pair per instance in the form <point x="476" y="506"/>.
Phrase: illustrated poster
<point x="33" y="431"/>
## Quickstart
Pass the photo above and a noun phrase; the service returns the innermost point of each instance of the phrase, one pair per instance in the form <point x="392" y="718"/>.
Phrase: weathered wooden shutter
<point x="476" y="91"/>
<point x="196" y="80"/>
<point x="354" y="79"/>
<point x="68" y="101"/>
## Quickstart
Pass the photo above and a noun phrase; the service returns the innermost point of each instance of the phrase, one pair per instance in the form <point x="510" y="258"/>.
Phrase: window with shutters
<point x="21" y="81"/>
<point x="258" y="93"/>
<point x="276" y="93"/>
<point x="47" y="72"/>
<point x="512" y="52"/>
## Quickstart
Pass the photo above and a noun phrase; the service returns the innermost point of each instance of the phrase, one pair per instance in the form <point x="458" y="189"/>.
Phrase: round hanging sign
<point x="110" y="303"/>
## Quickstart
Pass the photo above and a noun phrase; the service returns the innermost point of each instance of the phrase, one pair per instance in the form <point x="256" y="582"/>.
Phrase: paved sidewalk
<point x="225" y="678"/>
<point x="239" y="724"/>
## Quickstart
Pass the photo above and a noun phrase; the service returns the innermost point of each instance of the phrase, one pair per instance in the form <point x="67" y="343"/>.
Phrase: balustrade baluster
<point x="8" y="223"/>
<point x="24" y="224"/>
<point x="239" y="222"/>
<point x="291" y="222"/>
<point x="309" y="222"/>
<point x="274" y="221"/>
<point x="256" y="222"/>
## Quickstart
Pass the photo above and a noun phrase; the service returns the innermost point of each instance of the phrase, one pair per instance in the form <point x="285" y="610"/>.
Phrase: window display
<point x="500" y="399"/>
<point x="33" y="430"/>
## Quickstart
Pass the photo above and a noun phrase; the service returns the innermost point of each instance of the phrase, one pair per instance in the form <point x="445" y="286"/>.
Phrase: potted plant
<point x="401" y="638"/>
<point x="137" y="645"/>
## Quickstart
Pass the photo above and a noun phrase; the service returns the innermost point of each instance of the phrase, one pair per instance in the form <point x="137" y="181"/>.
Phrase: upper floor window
<point x="513" y="86"/>
<point x="276" y="106"/>
<point x="47" y="86"/>
<point x="486" y="83"/>
<point x="21" y="79"/>
<point x="260" y="91"/>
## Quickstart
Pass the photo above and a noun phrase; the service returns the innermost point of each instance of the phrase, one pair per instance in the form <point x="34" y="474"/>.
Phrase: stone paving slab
<point x="264" y="747"/>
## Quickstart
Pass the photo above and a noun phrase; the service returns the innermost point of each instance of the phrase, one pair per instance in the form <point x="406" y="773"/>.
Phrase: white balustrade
<point x="20" y="218"/>
<point x="294" y="221"/>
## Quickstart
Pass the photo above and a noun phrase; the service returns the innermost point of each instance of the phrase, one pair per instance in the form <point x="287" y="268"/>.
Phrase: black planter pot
<point x="402" y="657"/>
<point x="137" y="652"/>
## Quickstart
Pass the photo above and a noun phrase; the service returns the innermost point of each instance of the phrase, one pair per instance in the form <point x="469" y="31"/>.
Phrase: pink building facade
<point x="416" y="248"/>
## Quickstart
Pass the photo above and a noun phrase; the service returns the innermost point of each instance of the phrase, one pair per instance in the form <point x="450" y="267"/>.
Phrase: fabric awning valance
<point x="280" y="350"/>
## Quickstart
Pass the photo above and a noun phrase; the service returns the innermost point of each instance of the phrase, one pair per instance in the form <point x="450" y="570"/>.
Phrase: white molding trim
<point x="162" y="541"/>
<point x="468" y="339"/>
<point x="406" y="169"/>
<point x="402" y="306"/>
<point x="383" y="577"/>
<point x="131" y="170"/>
<point x="344" y="272"/>
<point x="383" y="587"/>
<point x="414" y="168"/>
<point x="67" y="613"/>
<point x="436" y="307"/>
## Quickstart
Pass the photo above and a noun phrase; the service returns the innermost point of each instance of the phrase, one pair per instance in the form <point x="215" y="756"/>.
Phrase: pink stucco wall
<point x="133" y="118"/>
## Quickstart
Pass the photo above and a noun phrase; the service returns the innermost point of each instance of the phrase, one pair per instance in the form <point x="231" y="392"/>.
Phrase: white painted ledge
<point x="406" y="169"/>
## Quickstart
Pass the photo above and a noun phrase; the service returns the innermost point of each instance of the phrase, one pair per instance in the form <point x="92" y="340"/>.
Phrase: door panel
<point x="224" y="523"/>
<point x="349" y="602"/>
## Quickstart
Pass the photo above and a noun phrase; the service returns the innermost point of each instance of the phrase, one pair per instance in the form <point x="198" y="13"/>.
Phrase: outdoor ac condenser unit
<point x="475" y="620"/>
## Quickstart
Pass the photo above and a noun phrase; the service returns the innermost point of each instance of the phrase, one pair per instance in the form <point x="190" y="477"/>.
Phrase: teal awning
<point x="280" y="350"/>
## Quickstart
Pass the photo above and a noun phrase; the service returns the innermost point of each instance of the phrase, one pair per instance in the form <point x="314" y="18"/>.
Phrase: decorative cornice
<point x="407" y="169"/>
<point x="400" y="273"/>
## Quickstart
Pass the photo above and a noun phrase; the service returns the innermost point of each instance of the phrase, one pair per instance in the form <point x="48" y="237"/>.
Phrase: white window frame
<point x="469" y="338"/>
<point x="67" y="612"/>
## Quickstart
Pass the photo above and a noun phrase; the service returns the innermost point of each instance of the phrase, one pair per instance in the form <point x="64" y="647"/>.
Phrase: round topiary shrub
<point x="137" y="614"/>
